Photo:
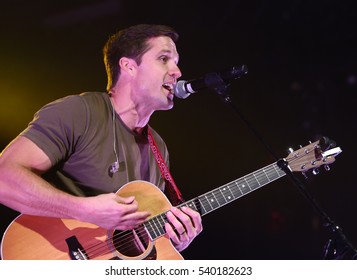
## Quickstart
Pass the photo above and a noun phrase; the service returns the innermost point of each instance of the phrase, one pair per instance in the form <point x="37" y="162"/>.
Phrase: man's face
<point x="156" y="75"/>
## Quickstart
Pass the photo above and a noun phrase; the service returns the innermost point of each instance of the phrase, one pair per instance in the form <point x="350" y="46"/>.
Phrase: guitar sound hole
<point x="131" y="243"/>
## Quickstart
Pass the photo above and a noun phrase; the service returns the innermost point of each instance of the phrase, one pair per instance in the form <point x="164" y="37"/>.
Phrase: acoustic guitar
<point x="44" y="238"/>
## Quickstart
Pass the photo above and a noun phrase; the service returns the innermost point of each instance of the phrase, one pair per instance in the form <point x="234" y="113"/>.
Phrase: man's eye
<point x="163" y="58"/>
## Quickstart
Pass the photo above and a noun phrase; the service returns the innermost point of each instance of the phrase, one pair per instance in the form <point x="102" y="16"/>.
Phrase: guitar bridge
<point x="75" y="249"/>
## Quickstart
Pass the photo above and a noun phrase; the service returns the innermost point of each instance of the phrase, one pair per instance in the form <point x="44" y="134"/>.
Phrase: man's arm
<point x="23" y="189"/>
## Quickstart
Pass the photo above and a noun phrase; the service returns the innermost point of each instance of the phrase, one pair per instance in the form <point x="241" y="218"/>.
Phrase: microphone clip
<point x="114" y="167"/>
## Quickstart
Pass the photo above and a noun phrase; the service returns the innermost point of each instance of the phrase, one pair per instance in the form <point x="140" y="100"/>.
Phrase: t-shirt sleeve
<point x="58" y="126"/>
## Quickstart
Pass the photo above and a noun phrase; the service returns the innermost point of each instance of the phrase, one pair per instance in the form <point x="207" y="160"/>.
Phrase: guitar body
<point x="43" y="238"/>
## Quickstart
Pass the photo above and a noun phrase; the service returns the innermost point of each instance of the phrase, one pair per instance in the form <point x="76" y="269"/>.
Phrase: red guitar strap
<point x="171" y="189"/>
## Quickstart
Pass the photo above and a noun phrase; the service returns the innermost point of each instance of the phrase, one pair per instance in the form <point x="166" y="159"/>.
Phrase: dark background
<point x="301" y="57"/>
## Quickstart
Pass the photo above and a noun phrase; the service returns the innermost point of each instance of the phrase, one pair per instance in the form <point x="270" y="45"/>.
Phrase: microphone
<point x="183" y="89"/>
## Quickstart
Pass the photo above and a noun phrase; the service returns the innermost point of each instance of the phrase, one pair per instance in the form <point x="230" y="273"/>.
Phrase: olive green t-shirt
<point x="77" y="134"/>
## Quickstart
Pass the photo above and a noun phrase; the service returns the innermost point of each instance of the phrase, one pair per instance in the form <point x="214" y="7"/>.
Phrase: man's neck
<point x="129" y="113"/>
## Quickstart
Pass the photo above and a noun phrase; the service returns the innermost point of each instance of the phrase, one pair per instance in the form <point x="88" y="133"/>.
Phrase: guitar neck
<point x="230" y="192"/>
<point x="220" y="196"/>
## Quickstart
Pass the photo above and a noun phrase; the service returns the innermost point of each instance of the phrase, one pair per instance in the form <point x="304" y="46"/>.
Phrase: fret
<point x="252" y="182"/>
<point x="212" y="200"/>
<point x="262" y="178"/>
<point x="157" y="229"/>
<point x="202" y="203"/>
<point x="194" y="206"/>
<point x="151" y="229"/>
<point x="191" y="205"/>
<point x="196" y="203"/>
<point x="230" y="191"/>
<point x="225" y="194"/>
<point x="273" y="174"/>
<point x="162" y="221"/>
<point x="243" y="186"/>
<point x="156" y="226"/>
<point x="238" y="187"/>
<point x="219" y="196"/>
<point x="266" y="175"/>
<point x="247" y="183"/>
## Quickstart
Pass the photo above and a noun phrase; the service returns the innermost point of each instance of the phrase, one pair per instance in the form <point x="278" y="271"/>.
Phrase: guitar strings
<point x="104" y="247"/>
<point x="124" y="237"/>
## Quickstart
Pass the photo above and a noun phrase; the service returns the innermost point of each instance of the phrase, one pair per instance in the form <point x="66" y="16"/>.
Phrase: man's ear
<point x="127" y="65"/>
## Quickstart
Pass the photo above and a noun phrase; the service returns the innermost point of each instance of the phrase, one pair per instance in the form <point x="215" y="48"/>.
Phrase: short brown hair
<point x="131" y="42"/>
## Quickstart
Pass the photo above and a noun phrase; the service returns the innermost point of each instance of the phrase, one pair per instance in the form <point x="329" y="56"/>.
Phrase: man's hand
<point x="111" y="211"/>
<point x="183" y="226"/>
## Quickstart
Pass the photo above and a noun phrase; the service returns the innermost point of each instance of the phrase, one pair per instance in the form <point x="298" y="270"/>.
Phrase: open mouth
<point x="170" y="88"/>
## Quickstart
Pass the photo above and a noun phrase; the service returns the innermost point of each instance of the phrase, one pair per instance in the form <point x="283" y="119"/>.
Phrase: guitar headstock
<point x="314" y="155"/>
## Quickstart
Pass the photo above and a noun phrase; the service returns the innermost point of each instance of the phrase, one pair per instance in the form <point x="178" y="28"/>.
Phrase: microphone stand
<point x="338" y="246"/>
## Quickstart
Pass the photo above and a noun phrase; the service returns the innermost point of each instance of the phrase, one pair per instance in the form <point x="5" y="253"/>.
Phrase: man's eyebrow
<point x="171" y="53"/>
<point x="165" y="51"/>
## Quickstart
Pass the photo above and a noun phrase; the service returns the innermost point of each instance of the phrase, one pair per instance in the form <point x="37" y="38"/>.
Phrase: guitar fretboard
<point x="220" y="196"/>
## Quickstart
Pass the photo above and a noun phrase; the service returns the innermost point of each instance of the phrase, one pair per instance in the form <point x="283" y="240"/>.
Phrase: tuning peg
<point x="315" y="171"/>
<point x="327" y="167"/>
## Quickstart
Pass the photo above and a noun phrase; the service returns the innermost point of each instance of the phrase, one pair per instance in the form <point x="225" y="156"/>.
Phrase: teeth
<point x="168" y="86"/>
